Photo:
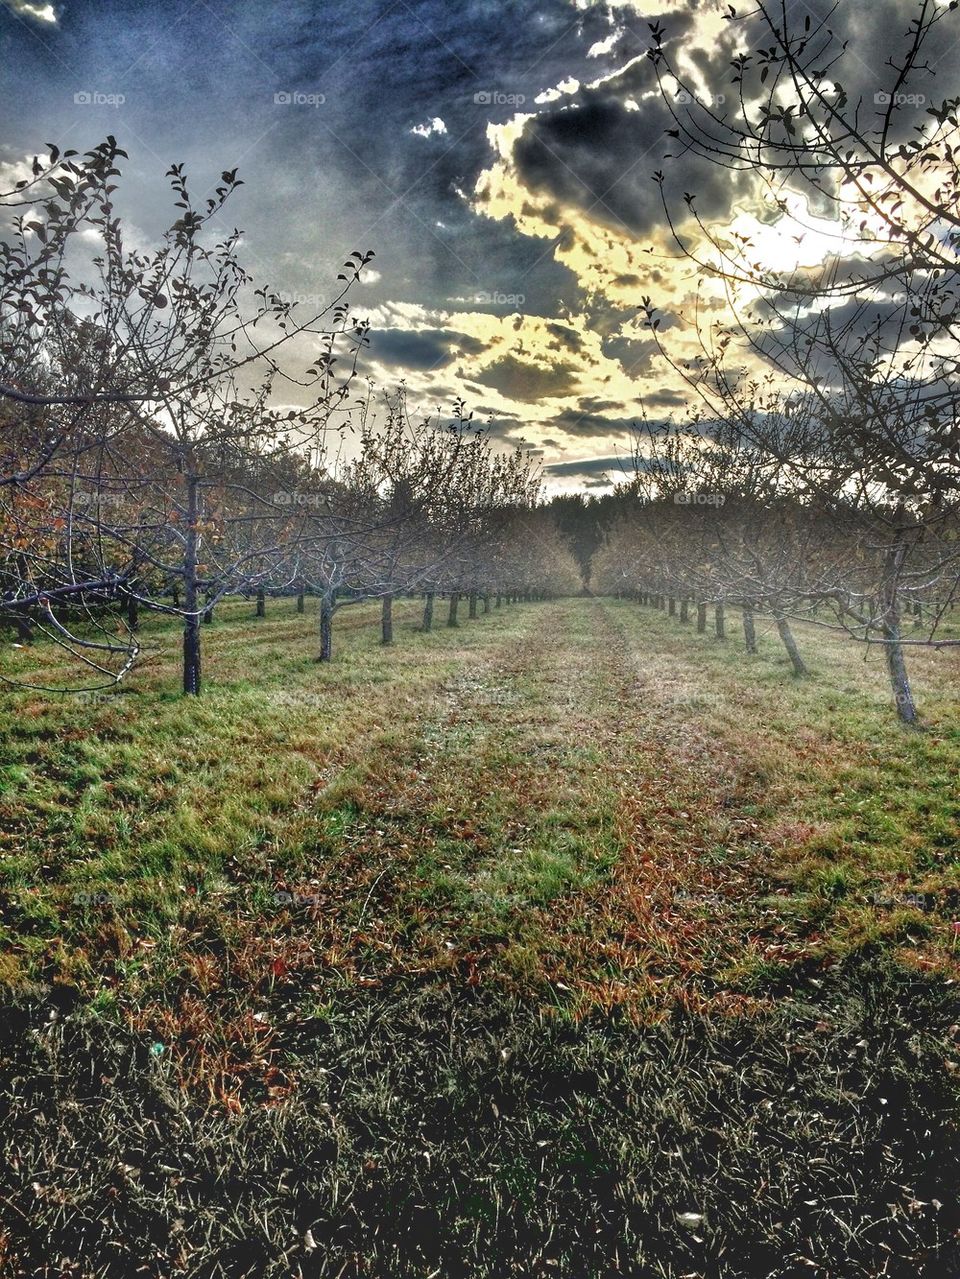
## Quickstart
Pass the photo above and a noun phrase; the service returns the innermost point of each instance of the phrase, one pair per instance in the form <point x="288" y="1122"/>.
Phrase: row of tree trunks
<point x="191" y="632"/>
<point x="894" y="651"/>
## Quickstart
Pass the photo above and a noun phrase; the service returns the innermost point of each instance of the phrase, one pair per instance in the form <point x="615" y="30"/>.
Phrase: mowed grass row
<point x="858" y="818"/>
<point x="581" y="800"/>
<point x="568" y="942"/>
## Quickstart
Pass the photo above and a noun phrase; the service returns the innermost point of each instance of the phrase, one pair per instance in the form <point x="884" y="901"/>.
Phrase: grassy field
<point x="569" y="906"/>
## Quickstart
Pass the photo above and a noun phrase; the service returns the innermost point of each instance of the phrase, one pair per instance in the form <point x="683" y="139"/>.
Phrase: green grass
<point x="566" y="916"/>
<point x="581" y="796"/>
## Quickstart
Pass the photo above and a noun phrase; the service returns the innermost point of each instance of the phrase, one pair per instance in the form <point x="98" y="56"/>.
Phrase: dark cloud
<point x="595" y="405"/>
<point x="665" y="399"/>
<point x="422" y="349"/>
<point x="530" y="383"/>
<point x="606" y="317"/>
<point x="427" y="349"/>
<point x="634" y="355"/>
<point x="585" y="423"/>
<point x="590" y="467"/>
<point x="598" y="155"/>
<point x="199" y="84"/>
<point x="565" y="338"/>
<point x="597" y="150"/>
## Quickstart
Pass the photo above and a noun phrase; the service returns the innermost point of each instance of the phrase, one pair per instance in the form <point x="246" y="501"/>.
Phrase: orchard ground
<point x="568" y="941"/>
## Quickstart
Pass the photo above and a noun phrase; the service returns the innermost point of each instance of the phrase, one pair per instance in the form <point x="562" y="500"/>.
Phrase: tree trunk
<point x="486" y="602"/>
<point x="208" y="616"/>
<point x="133" y="613"/>
<point x="428" y="612"/>
<point x="21" y="621"/>
<point x="261" y="603"/>
<point x="326" y="625"/>
<point x="720" y="622"/>
<point x="454" y="606"/>
<point x="672" y="607"/>
<point x="701" y="619"/>
<point x="749" y="629"/>
<point x="191" y="656"/>
<point x="790" y="644"/>
<point x="191" y="621"/>
<point x="684" y="610"/>
<point x="386" y="620"/>
<point x="896" y="661"/>
<point x="899" y="680"/>
<point x="472" y="612"/>
<point x="498" y="602"/>
<point x="300" y="602"/>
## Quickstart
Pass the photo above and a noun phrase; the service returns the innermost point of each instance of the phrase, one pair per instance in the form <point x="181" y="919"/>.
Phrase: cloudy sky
<point x="496" y="154"/>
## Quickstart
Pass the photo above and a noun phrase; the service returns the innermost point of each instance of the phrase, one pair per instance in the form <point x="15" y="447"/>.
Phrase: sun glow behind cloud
<point x="508" y="188"/>
<point x="38" y="12"/>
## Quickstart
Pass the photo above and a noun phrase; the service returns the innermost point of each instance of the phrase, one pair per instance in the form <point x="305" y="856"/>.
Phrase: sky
<point x="497" y="155"/>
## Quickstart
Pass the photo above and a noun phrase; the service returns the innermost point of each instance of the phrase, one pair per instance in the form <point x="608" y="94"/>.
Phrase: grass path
<point x="369" y="983"/>
<point x="580" y="800"/>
